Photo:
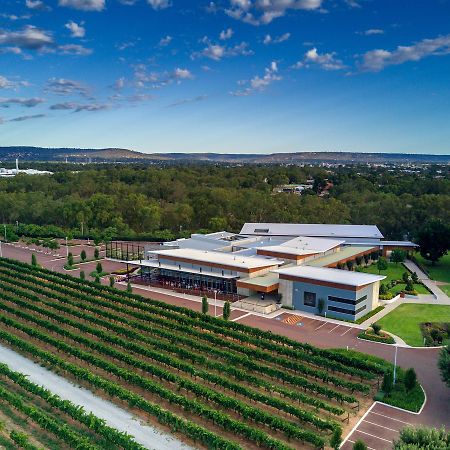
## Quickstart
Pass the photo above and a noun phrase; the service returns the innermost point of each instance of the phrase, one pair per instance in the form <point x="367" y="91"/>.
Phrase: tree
<point x="83" y="255"/>
<point x="410" y="379"/>
<point x="96" y="253"/>
<point x="414" y="277"/>
<point x="99" y="267"/>
<point x="82" y="275"/>
<point x="405" y="277"/>
<point x="129" y="288"/>
<point x="398" y="256"/>
<point x="434" y="240"/>
<point x="359" y="445"/>
<point x="349" y="265"/>
<point x="366" y="259"/>
<point x="409" y="286"/>
<point x="422" y="438"/>
<point x="336" y="438"/>
<point x="111" y="281"/>
<point x="388" y="382"/>
<point x="34" y="260"/>
<point x="97" y="279"/>
<point x="383" y="289"/>
<point x="444" y="364"/>
<point x="70" y="260"/>
<point x="382" y="264"/>
<point x="226" y="310"/>
<point x="376" y="327"/>
<point x="205" y="305"/>
<point x="321" y="305"/>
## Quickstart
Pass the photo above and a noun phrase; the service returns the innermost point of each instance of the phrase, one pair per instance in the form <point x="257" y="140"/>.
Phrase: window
<point x="309" y="299"/>
<point x="347" y="301"/>
<point x="346" y="311"/>
<point x="261" y="230"/>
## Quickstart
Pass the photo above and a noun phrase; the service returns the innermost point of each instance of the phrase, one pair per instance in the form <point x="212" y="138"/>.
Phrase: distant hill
<point x="125" y="155"/>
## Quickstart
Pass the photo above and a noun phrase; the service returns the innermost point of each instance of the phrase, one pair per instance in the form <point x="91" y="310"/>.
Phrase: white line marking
<point x="241" y="317"/>
<point x="372" y="435"/>
<point x="387" y="417"/>
<point x="345" y="332"/>
<point x="381" y="426"/>
<point x="334" y="328"/>
<point x="320" y="326"/>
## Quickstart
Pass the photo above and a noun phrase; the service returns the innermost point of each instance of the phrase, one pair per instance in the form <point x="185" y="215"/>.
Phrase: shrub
<point x="96" y="253"/>
<point x="398" y="256"/>
<point x="410" y="379"/>
<point x="415" y="277"/>
<point x="421" y="438"/>
<point x="83" y="255"/>
<point x="111" y="281"/>
<point x="359" y="445"/>
<point x="33" y="260"/>
<point x="99" y="268"/>
<point x="226" y="310"/>
<point x="376" y="327"/>
<point x="205" y="305"/>
<point x="97" y="279"/>
<point x="349" y="265"/>
<point x="336" y="439"/>
<point x="405" y="277"/>
<point x="382" y="264"/>
<point x="70" y="260"/>
<point x="388" y="381"/>
<point x="82" y="275"/>
<point x="321" y="305"/>
<point x="383" y="289"/>
<point x="129" y="287"/>
<point x="444" y="365"/>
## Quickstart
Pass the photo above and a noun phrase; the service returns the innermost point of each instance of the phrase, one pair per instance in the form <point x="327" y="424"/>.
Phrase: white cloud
<point x="184" y="101"/>
<point x="159" y="4"/>
<point x="376" y="60"/>
<point x="74" y="49"/>
<point x="77" y="107"/>
<point x="63" y="86"/>
<point x="23" y="118"/>
<point x="165" y="41"/>
<point x="84" y="5"/>
<point x="30" y="38"/>
<point x="119" y="84"/>
<point x="373" y="31"/>
<point x="327" y="61"/>
<point x="257" y="12"/>
<point x="217" y="51"/>
<point x="6" y="83"/>
<point x="182" y="74"/>
<point x="268" y="39"/>
<point x="226" y="34"/>
<point x="76" y="30"/>
<point x="257" y="83"/>
<point x="27" y="102"/>
<point x="38" y="5"/>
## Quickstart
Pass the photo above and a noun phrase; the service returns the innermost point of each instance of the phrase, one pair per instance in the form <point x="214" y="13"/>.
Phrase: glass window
<point x="309" y="299"/>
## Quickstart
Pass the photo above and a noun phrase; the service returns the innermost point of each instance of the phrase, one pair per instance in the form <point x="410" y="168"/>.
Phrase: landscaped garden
<point x="394" y="278"/>
<point x="219" y="383"/>
<point x="405" y="321"/>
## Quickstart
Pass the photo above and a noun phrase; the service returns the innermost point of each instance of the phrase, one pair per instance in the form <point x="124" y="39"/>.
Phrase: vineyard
<point x="215" y="384"/>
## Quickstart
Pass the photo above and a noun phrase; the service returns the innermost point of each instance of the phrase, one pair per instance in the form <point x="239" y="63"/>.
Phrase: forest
<point x="146" y="201"/>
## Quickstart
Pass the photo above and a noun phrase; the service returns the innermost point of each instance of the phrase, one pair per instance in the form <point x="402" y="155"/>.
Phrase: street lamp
<point x="1" y="251"/>
<point x="395" y="364"/>
<point x="5" y="232"/>
<point x="215" y="303"/>
<point x="67" y="248"/>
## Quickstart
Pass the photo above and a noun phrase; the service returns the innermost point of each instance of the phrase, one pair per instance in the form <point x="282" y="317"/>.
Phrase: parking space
<point x="379" y="427"/>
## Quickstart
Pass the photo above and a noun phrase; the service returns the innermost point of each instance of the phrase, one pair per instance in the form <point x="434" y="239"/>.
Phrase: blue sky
<point x="239" y="76"/>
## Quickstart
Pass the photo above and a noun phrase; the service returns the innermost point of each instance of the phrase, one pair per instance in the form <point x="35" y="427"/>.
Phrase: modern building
<point x="300" y="266"/>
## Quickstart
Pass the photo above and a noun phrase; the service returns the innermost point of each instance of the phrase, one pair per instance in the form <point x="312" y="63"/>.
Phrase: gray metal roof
<point x="313" y="230"/>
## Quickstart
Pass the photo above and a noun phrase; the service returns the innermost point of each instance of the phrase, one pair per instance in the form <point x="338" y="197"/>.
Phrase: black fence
<point x="125" y="251"/>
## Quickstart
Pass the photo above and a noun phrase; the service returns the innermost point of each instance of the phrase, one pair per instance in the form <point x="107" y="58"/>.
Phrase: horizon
<point x="226" y="77"/>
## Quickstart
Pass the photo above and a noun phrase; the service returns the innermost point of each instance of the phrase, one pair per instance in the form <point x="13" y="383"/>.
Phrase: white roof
<point x="314" y="230"/>
<point x="331" y="275"/>
<point x="223" y="258"/>
<point x="304" y="245"/>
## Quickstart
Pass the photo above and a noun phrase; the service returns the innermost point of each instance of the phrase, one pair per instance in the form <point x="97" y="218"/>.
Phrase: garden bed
<point x="435" y="333"/>
<point x="382" y="337"/>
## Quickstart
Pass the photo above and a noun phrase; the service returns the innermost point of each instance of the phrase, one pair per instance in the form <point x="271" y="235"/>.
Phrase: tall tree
<point x="434" y="240"/>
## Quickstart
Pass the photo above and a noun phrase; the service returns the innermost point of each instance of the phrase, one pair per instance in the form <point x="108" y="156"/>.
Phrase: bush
<point x="383" y="338"/>
<point x="415" y="277"/>
<point x="422" y="438"/>
<point x="376" y="327"/>
<point x="96" y="253"/>
<point x="129" y="287"/>
<point x="82" y="275"/>
<point x="410" y="379"/>
<point x="99" y="268"/>
<point x="97" y="279"/>
<point x="336" y="439"/>
<point x="205" y="305"/>
<point x="83" y="255"/>
<point x="383" y="289"/>
<point x="406" y="277"/>
<point x="34" y="260"/>
<point x="111" y="281"/>
<point x="226" y="310"/>
<point x="359" y="445"/>
<point x="444" y="365"/>
<point x="382" y="264"/>
<point x="398" y="256"/>
<point x="70" y="260"/>
<point x="388" y="382"/>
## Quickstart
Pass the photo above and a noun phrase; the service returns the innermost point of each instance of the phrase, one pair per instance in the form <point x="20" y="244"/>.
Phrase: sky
<point x="229" y="76"/>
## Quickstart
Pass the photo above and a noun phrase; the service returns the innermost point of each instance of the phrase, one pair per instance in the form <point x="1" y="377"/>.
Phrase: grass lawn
<point x="446" y="288"/>
<point x="440" y="271"/>
<point x="395" y="272"/>
<point x="405" y="321"/>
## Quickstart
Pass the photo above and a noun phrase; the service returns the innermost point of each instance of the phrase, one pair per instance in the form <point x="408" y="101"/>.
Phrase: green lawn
<point x="405" y="321"/>
<point x="438" y="272"/>
<point x="395" y="272"/>
<point x="446" y="288"/>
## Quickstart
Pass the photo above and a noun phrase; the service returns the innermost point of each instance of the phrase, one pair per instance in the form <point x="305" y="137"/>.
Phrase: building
<point x="300" y="266"/>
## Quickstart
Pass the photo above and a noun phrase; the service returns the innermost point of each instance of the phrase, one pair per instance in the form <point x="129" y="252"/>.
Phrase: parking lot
<point x="379" y="427"/>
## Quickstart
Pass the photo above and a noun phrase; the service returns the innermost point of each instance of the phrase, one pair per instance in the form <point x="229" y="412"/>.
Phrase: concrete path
<point x="114" y="416"/>
<point x="430" y="284"/>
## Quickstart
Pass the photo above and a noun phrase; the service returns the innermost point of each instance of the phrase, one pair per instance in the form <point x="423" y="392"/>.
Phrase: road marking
<point x="372" y="435"/>
<point x="345" y="332"/>
<point x="397" y="420"/>
<point x="381" y="426"/>
<point x="334" y="328"/>
<point x="320" y="326"/>
<point x="357" y="424"/>
<point x="241" y="317"/>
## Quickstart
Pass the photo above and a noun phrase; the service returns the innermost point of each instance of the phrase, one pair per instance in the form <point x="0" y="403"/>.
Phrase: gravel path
<point x="114" y="416"/>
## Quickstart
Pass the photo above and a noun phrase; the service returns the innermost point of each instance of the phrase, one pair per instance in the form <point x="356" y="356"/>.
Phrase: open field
<point x="217" y="383"/>
<point x="405" y="320"/>
<point x="394" y="272"/>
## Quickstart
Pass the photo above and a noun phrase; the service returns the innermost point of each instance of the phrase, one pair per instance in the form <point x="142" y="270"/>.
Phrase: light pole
<point x="67" y="248"/>
<point x="395" y="363"/>
<point x="82" y="229"/>
<point x="215" y="303"/>
<point x="5" y="232"/>
<point x="1" y="251"/>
